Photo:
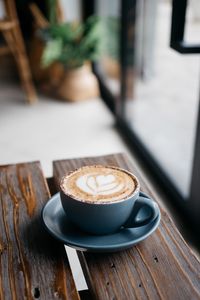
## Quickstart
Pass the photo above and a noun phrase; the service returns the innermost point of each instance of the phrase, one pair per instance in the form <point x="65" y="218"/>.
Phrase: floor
<point x="51" y="130"/>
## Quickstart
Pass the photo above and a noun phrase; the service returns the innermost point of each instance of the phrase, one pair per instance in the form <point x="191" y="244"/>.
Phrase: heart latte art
<point x="99" y="183"/>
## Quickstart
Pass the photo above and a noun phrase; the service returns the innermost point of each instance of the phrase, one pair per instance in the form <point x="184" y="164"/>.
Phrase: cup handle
<point x="150" y="212"/>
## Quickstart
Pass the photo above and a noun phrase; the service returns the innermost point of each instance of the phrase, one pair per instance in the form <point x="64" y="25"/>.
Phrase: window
<point x="153" y="88"/>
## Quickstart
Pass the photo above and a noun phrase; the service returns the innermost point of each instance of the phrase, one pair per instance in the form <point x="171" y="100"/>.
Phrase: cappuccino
<point x="99" y="184"/>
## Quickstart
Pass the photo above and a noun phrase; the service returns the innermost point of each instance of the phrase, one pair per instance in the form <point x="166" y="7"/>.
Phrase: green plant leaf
<point x="72" y="44"/>
<point x="51" y="52"/>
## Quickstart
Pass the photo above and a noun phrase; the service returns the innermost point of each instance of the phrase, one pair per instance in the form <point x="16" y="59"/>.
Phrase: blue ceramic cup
<point x="108" y="217"/>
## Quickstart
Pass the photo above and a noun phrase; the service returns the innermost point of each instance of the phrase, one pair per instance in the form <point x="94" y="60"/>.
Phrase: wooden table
<point x="33" y="265"/>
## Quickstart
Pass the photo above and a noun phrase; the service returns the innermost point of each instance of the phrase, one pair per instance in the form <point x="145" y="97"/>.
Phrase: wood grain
<point x="161" y="267"/>
<point x="32" y="264"/>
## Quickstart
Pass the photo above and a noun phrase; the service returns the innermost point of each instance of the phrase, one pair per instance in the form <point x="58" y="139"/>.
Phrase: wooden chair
<point x="11" y="32"/>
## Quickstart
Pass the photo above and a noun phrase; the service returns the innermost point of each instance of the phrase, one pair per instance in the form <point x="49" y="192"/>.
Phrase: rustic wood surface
<point x="32" y="264"/>
<point x="160" y="267"/>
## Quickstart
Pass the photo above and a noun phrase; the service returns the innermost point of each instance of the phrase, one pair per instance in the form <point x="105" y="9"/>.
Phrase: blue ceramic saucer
<point x="61" y="228"/>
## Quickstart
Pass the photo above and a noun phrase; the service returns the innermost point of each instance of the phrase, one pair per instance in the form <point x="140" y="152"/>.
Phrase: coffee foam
<point x="98" y="183"/>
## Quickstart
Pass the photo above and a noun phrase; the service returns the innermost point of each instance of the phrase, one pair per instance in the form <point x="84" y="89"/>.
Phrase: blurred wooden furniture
<point x="34" y="265"/>
<point x="11" y="31"/>
<point x="39" y="19"/>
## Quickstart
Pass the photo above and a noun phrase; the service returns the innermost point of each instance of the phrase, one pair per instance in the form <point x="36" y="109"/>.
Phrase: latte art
<point x="99" y="183"/>
<point x="96" y="184"/>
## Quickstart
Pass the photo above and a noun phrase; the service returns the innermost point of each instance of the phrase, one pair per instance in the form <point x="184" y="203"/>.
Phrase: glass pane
<point x="108" y="66"/>
<point x="192" y="28"/>
<point x="71" y="10"/>
<point x="163" y="111"/>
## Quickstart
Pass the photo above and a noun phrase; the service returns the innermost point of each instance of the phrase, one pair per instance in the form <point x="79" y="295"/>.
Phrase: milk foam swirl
<point x="99" y="183"/>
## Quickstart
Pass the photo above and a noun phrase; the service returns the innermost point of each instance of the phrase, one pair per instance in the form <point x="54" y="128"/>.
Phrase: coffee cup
<point x="103" y="199"/>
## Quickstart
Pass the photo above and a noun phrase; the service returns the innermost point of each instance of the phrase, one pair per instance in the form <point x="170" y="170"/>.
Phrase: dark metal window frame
<point x="177" y="42"/>
<point x="190" y="208"/>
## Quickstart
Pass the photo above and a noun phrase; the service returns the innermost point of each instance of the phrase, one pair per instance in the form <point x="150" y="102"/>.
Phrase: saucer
<point x="57" y="224"/>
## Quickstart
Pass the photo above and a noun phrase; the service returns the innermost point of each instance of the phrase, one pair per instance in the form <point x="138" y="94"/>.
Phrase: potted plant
<point x="75" y="46"/>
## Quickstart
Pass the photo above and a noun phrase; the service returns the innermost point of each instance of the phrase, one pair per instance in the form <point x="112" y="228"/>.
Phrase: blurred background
<point x="81" y="78"/>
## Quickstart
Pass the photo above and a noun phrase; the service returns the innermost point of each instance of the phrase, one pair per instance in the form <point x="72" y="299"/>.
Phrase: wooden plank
<point x="161" y="267"/>
<point x="32" y="264"/>
<point x="7" y="25"/>
<point x="4" y="50"/>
